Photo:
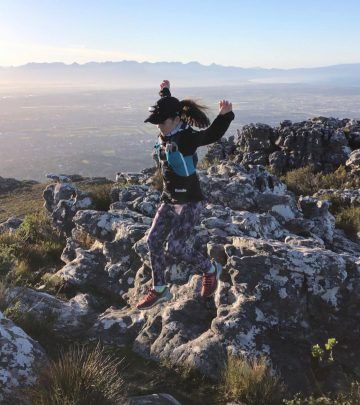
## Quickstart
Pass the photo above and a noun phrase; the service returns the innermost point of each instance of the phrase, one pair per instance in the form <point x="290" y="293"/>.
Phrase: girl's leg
<point x="181" y="229"/>
<point x="160" y="228"/>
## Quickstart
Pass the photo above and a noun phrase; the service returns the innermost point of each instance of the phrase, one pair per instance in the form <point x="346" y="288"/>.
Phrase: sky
<point x="246" y="33"/>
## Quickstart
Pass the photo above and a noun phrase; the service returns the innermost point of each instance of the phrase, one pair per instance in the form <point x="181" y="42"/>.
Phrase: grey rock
<point x="153" y="399"/>
<point x="20" y="357"/>
<point x="62" y="201"/>
<point x="71" y="317"/>
<point x="10" y="225"/>
<point x="322" y="142"/>
<point x="10" y="184"/>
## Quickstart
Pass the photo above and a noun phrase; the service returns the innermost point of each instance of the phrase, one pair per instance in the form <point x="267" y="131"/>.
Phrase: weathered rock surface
<point x="20" y="356"/>
<point x="10" y="225"/>
<point x="63" y="200"/>
<point x="71" y="317"/>
<point x="325" y="143"/>
<point x="347" y="197"/>
<point x="289" y="280"/>
<point x="9" y="184"/>
<point x="154" y="399"/>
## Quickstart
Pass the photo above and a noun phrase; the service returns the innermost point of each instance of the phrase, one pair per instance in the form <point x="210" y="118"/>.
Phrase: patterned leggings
<point x="174" y="223"/>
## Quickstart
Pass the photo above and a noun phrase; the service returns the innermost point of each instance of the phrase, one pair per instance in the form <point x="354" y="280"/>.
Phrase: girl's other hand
<point x="224" y="107"/>
<point x="165" y="83"/>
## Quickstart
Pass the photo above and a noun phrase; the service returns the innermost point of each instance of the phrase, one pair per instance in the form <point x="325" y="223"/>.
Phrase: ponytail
<point x="194" y="114"/>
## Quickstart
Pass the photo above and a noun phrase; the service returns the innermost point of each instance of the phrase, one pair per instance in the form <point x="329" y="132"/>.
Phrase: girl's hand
<point x="224" y="107"/>
<point x="165" y="83"/>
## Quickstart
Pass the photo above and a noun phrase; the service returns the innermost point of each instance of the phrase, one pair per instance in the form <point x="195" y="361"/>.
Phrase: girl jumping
<point x="182" y="200"/>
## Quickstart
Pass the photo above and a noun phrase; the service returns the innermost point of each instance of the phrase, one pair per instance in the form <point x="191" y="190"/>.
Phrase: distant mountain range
<point x="132" y="74"/>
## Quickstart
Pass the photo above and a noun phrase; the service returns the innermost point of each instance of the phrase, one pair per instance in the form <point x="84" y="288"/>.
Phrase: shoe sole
<point x="162" y="299"/>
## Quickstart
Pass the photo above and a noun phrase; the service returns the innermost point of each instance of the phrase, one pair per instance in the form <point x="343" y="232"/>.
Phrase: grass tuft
<point x="100" y="195"/>
<point x="80" y="376"/>
<point x="251" y="382"/>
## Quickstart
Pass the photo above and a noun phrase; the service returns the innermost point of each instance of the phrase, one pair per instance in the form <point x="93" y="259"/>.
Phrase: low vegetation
<point x="22" y="202"/>
<point x="349" y="396"/>
<point x="27" y="253"/>
<point x="349" y="220"/>
<point x="157" y="180"/>
<point x="81" y="375"/>
<point x="251" y="382"/>
<point x="305" y="181"/>
<point x="100" y="195"/>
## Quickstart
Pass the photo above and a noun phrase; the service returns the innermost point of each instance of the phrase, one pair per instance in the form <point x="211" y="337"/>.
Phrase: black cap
<point x="164" y="108"/>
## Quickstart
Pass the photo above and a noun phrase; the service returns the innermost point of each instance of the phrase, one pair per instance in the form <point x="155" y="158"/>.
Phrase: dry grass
<point x="21" y="202"/>
<point x="100" y="194"/>
<point x="80" y="376"/>
<point x="157" y="180"/>
<point x="251" y="382"/>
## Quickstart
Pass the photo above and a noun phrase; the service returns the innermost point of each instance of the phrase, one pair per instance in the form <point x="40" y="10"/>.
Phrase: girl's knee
<point x="153" y="241"/>
<point x="173" y="248"/>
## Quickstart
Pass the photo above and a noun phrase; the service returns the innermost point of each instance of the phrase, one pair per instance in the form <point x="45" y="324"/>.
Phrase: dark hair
<point x="194" y="114"/>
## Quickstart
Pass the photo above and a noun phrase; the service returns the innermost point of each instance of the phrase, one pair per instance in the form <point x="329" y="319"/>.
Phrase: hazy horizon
<point x="100" y="132"/>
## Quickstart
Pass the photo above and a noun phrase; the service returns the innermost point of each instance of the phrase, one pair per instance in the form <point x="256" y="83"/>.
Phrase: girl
<point x="182" y="200"/>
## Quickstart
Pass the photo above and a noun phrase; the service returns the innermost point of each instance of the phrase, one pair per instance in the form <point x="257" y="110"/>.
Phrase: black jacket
<point x="182" y="189"/>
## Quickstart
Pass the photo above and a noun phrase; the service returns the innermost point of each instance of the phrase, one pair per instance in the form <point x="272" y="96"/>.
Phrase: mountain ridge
<point x="129" y="73"/>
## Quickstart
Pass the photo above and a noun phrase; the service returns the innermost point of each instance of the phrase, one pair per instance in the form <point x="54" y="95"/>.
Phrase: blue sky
<point x="247" y="33"/>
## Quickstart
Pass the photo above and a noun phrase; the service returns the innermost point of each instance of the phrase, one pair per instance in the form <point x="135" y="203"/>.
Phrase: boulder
<point x="20" y="357"/>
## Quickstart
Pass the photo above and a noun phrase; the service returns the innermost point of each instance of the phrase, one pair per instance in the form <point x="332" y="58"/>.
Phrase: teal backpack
<point x="169" y="152"/>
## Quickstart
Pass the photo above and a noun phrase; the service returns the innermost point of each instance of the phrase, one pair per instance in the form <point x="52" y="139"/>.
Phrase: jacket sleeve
<point x="214" y="132"/>
<point x="165" y="92"/>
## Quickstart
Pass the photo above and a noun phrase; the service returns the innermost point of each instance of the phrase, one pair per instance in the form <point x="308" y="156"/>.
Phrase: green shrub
<point x="7" y="256"/>
<point x="338" y="179"/>
<point x="348" y="219"/>
<point x="33" y="246"/>
<point x="251" y="382"/>
<point x="3" y="289"/>
<point x="301" y="181"/>
<point x="305" y="180"/>
<point x="53" y="283"/>
<point x="80" y="376"/>
<point x="100" y="194"/>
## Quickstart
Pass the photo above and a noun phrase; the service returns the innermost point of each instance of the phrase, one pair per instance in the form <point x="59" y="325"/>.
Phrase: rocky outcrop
<point x="325" y="143"/>
<point x="353" y="163"/>
<point x="63" y="200"/>
<point x="346" y="198"/>
<point x="290" y="277"/>
<point x="10" y="225"/>
<point x="68" y="318"/>
<point x="20" y="357"/>
<point x="9" y="184"/>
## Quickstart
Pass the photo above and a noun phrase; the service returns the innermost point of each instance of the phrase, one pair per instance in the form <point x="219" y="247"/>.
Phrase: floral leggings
<point x="174" y="223"/>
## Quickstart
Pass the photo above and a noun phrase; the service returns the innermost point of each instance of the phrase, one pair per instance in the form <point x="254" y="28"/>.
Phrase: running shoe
<point x="210" y="281"/>
<point x="153" y="298"/>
